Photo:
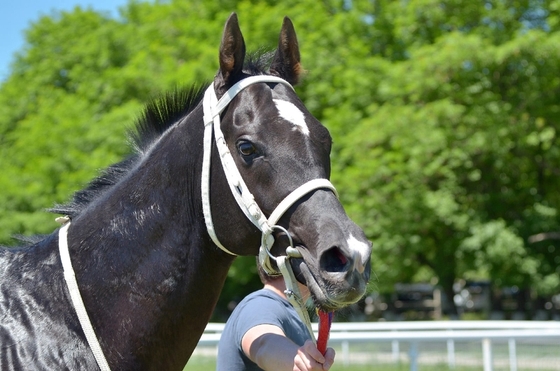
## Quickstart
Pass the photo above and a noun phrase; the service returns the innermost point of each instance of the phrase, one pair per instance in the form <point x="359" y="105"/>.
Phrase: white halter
<point x="212" y="110"/>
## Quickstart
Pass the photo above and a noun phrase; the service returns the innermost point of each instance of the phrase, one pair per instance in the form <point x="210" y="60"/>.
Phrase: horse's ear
<point x="286" y="63"/>
<point x="232" y="53"/>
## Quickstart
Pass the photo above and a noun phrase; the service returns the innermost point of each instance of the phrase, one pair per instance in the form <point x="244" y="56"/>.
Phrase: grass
<point x="201" y="363"/>
<point x="208" y="363"/>
<point x="532" y="355"/>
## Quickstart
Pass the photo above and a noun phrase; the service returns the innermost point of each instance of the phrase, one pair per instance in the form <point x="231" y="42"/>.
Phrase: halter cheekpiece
<point x="212" y="110"/>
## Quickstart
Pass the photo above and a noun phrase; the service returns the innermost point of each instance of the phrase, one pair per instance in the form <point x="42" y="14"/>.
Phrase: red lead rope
<point x="325" y="320"/>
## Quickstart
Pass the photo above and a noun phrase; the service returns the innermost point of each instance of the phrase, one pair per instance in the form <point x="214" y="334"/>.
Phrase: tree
<point x="82" y="78"/>
<point x="444" y="116"/>
<point x="454" y="165"/>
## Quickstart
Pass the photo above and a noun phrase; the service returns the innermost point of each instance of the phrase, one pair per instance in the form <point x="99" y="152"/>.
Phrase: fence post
<point x="451" y="353"/>
<point x="512" y="355"/>
<point x="346" y="353"/>
<point x="395" y="350"/>
<point x="413" y="356"/>
<point x="487" y="354"/>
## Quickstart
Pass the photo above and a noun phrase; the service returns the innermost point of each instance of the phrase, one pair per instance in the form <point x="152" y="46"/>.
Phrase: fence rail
<point x="413" y="333"/>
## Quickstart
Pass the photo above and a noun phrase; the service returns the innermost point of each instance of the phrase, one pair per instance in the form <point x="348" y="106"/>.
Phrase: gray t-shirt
<point x="262" y="307"/>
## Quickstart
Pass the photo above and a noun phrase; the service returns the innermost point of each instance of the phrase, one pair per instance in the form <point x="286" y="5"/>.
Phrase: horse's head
<point x="277" y="145"/>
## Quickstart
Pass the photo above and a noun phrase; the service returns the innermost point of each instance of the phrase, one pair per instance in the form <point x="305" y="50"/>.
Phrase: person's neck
<point x="278" y="286"/>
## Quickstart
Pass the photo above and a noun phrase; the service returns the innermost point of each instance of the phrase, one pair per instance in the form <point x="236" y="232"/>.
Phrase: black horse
<point x="147" y="268"/>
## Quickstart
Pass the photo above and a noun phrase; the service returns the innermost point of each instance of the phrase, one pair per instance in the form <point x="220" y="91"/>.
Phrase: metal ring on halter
<point x="291" y="251"/>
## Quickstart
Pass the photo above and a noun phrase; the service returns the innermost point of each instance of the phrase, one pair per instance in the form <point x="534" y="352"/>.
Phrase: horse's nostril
<point x="333" y="260"/>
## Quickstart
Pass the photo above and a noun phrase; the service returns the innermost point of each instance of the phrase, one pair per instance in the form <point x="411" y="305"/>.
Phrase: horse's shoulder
<point x="31" y="272"/>
<point x="34" y="310"/>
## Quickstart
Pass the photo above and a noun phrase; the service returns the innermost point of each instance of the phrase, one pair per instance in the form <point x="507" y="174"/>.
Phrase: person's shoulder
<point x="258" y="308"/>
<point x="262" y="302"/>
<point x="262" y="296"/>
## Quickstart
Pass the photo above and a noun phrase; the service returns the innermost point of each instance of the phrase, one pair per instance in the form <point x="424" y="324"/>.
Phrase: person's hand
<point x="308" y="358"/>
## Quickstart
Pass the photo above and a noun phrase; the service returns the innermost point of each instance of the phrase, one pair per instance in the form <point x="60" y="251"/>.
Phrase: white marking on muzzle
<point x="360" y="251"/>
<point x="288" y="111"/>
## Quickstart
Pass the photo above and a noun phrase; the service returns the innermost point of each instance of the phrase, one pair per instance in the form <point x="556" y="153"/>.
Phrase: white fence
<point x="414" y="333"/>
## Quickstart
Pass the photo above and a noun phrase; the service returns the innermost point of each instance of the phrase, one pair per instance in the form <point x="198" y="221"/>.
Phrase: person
<point x="264" y="332"/>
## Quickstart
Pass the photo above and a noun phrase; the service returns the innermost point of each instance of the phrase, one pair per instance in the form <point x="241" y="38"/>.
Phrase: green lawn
<point x="203" y="363"/>
<point x="198" y="363"/>
<point x="531" y="356"/>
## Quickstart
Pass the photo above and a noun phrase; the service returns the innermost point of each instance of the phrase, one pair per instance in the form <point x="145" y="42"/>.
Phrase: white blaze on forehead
<point x="359" y="247"/>
<point x="288" y="111"/>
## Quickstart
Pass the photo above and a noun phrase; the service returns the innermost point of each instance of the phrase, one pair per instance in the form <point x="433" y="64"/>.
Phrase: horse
<point x="150" y="240"/>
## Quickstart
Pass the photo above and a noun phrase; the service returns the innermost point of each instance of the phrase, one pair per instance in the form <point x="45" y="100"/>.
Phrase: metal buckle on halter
<point x="265" y="255"/>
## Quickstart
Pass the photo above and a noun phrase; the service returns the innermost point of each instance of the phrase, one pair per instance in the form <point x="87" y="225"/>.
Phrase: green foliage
<point x="444" y="116"/>
<point x="457" y="151"/>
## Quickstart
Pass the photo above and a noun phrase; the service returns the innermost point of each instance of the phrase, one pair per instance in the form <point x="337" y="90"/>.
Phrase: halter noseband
<point x="212" y="110"/>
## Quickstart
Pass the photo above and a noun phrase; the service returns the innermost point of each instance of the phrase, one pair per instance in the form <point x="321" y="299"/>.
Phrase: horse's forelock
<point x="258" y="63"/>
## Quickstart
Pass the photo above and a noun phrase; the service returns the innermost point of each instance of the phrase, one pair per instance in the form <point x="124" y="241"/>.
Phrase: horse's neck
<point x="144" y="264"/>
<point x="150" y="308"/>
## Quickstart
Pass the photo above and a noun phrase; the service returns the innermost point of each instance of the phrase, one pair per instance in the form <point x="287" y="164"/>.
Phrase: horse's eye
<point x="246" y="148"/>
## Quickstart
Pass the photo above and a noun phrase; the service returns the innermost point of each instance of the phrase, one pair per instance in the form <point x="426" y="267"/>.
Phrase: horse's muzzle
<point x="337" y="281"/>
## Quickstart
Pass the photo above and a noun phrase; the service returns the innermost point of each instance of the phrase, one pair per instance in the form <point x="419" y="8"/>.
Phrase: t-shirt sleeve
<point x="259" y="310"/>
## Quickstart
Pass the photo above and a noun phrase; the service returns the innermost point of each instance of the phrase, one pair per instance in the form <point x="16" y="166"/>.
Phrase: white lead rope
<point x="293" y="293"/>
<point x="77" y="301"/>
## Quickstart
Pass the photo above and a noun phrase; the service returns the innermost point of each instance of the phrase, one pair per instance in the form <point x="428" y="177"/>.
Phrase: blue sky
<point x="16" y="16"/>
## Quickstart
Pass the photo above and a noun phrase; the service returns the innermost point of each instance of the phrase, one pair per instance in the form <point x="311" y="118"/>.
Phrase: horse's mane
<point x="159" y="115"/>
